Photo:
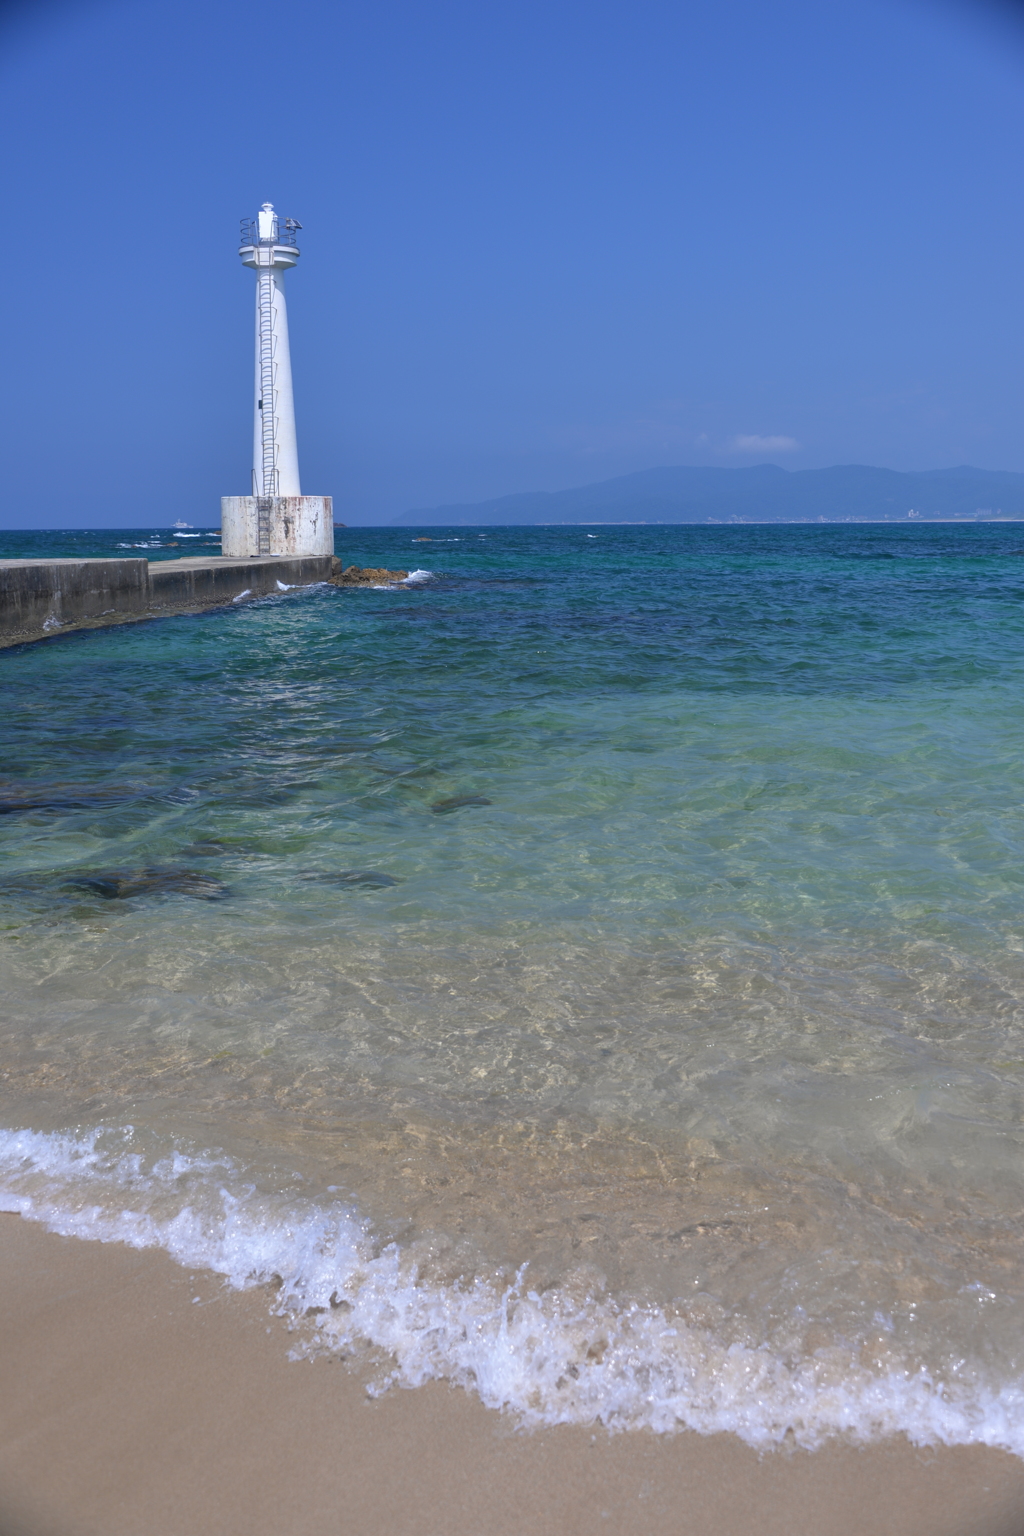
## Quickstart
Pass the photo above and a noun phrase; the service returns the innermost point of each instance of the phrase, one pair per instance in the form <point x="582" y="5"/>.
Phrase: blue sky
<point x="544" y="243"/>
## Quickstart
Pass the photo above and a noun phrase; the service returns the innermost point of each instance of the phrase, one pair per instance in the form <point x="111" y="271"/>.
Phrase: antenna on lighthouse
<point x="276" y="519"/>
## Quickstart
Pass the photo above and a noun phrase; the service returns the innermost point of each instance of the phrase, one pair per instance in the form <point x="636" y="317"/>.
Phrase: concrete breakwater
<point x="39" y="599"/>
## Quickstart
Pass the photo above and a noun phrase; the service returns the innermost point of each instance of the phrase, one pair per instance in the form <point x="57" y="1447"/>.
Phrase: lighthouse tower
<point x="276" y="519"/>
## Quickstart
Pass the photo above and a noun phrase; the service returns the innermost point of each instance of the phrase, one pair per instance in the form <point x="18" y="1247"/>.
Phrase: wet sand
<point x="129" y="1406"/>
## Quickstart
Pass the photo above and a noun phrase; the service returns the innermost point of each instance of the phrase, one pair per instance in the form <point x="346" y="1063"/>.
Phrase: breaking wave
<point x="571" y="1355"/>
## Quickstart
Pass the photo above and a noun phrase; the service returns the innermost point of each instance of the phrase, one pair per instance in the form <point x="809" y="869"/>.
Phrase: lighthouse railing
<point x="285" y="233"/>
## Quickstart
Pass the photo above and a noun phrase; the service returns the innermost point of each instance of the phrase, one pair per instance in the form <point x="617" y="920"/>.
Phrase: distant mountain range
<point x="761" y="493"/>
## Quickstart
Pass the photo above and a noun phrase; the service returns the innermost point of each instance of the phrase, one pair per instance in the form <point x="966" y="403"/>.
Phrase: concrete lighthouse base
<point x="293" y="526"/>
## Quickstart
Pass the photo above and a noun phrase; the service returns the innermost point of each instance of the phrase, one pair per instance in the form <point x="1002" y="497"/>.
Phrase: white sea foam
<point x="418" y="576"/>
<point x="569" y="1355"/>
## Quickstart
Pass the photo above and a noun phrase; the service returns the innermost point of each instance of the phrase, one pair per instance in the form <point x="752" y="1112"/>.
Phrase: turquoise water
<point x="591" y="970"/>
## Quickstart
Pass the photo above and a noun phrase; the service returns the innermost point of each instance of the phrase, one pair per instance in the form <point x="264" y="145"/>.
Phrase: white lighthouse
<point x="275" y="519"/>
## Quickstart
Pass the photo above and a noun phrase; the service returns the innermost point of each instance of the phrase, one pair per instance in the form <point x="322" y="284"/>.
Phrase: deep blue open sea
<point x="591" y="971"/>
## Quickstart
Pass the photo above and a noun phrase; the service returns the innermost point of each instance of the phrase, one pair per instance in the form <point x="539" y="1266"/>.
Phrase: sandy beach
<point x="138" y="1397"/>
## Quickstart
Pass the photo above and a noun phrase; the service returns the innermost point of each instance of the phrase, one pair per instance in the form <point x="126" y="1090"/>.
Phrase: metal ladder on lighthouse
<point x="265" y="502"/>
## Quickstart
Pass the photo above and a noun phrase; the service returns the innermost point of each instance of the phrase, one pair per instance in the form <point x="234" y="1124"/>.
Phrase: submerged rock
<point x="64" y="797"/>
<point x="118" y="885"/>
<point x="456" y="802"/>
<point x="371" y="877"/>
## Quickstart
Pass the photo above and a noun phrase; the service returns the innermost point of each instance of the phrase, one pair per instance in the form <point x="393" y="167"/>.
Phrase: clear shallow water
<point x="681" y="1083"/>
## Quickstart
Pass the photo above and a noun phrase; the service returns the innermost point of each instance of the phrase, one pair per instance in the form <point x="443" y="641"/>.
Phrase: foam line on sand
<point x="141" y="1396"/>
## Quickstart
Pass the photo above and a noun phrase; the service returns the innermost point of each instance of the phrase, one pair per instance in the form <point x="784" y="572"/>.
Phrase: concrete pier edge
<point x="40" y="599"/>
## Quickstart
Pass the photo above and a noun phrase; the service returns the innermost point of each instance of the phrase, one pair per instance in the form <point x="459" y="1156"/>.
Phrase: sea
<point x="589" y="971"/>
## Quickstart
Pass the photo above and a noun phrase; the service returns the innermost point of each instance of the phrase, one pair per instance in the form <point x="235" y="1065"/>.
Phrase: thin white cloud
<point x="752" y="443"/>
